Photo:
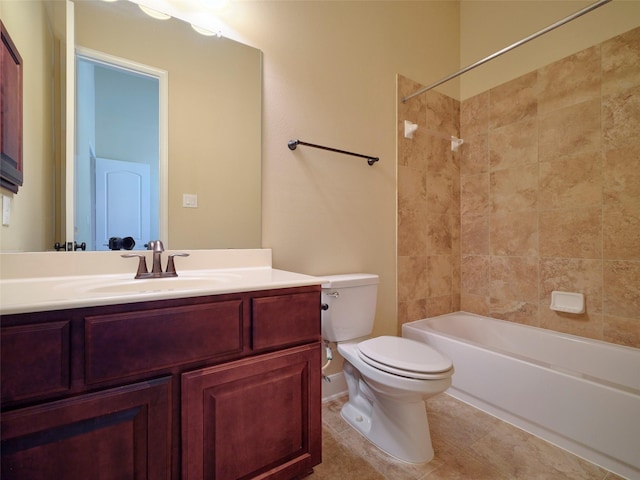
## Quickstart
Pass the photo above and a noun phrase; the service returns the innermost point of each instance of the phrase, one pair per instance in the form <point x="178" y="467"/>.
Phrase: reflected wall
<point x="214" y="146"/>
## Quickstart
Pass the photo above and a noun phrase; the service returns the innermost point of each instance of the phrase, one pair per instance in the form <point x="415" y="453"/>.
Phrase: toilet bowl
<point x="388" y="378"/>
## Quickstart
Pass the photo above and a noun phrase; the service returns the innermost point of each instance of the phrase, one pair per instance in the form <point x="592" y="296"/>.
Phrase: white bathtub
<point x="579" y="394"/>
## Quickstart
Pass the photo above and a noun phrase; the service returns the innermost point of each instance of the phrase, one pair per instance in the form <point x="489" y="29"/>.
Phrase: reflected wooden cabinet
<point x="219" y="387"/>
<point x="10" y="113"/>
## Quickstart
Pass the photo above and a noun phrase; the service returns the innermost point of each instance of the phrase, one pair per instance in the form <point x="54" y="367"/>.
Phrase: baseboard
<point x="337" y="387"/>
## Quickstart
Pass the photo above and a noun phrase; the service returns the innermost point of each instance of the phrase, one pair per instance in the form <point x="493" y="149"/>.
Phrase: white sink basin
<point x="167" y="284"/>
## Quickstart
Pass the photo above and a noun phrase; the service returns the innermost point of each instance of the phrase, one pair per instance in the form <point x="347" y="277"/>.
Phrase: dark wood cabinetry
<point x="119" y="433"/>
<point x="219" y="387"/>
<point x="253" y="418"/>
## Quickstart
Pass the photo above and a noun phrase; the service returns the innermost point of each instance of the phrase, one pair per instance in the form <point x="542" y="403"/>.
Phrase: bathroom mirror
<point x="213" y="127"/>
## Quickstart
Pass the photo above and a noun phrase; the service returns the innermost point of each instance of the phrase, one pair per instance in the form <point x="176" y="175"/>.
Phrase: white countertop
<point x="25" y="286"/>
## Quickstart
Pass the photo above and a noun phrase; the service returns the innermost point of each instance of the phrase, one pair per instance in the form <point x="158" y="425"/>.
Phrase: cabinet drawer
<point x="285" y="319"/>
<point x="35" y="360"/>
<point x="125" y="344"/>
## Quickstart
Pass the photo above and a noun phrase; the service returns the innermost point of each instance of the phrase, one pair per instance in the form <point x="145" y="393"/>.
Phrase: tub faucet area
<point x="157" y="247"/>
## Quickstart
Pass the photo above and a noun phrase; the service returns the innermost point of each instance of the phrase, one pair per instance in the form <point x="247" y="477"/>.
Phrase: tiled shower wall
<point x="549" y="197"/>
<point x="428" y="206"/>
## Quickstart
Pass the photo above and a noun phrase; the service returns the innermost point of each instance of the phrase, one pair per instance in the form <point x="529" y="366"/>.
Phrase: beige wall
<point x="330" y="78"/>
<point x="489" y="26"/>
<point x="31" y="226"/>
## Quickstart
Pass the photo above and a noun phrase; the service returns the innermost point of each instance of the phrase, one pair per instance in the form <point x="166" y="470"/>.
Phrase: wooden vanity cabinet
<point x="216" y="387"/>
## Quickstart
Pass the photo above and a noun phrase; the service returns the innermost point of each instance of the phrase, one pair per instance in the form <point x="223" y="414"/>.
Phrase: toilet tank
<point x="351" y="302"/>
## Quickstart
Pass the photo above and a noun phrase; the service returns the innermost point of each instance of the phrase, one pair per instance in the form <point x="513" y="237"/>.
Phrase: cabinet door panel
<point x="129" y="343"/>
<point x="254" y="418"/>
<point x="119" y="433"/>
<point x="286" y="319"/>
<point x="35" y="360"/>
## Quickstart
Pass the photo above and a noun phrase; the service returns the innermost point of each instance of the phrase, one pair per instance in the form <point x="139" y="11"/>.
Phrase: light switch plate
<point x="190" y="200"/>
<point x="6" y="210"/>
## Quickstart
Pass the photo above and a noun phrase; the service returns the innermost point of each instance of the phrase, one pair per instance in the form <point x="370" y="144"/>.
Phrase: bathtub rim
<point x="629" y="389"/>
<point x="516" y="417"/>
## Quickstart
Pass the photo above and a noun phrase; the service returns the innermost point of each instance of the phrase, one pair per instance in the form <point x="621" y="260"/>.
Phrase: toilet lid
<point x="402" y="356"/>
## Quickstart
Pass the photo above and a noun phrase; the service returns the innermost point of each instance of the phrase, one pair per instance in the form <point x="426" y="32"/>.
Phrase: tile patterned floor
<point x="469" y="444"/>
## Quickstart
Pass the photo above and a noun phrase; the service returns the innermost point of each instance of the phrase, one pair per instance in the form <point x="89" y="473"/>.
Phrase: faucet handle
<point x="143" y="271"/>
<point x="171" y="267"/>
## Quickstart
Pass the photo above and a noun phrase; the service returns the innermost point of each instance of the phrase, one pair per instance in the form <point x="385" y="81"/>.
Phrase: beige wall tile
<point x="621" y="118"/>
<point x="439" y="194"/>
<point x="440" y="275"/>
<point x="474" y="194"/>
<point x="474" y="116"/>
<point x="439" y="305"/>
<point x="573" y="182"/>
<point x="572" y="275"/>
<point x="544" y="195"/>
<point x="410" y="311"/>
<point x="514" y="189"/>
<point x="478" y="304"/>
<point x="474" y="234"/>
<point x="621" y="289"/>
<point x="621" y="177"/>
<point x="620" y="60"/>
<point x="621" y="233"/>
<point x="514" y="144"/>
<point x="412" y="278"/>
<point x="443" y="113"/>
<point x="439" y="234"/>
<point x="412" y="236"/>
<point x="439" y="156"/>
<point x="517" y="311"/>
<point x="571" y="80"/>
<point x="570" y="130"/>
<point x="571" y="233"/>
<point x="585" y="324"/>
<point x="475" y="155"/>
<point x="412" y="151"/>
<point x="475" y="274"/>
<point x="514" y="278"/>
<point x="412" y="189"/>
<point x="625" y="331"/>
<point x="514" y="234"/>
<point x="513" y="101"/>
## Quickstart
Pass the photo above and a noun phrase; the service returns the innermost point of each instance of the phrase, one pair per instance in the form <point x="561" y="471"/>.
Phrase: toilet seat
<point x="404" y="357"/>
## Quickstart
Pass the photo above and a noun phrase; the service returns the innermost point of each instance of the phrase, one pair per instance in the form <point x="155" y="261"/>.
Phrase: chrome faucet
<point x="157" y="248"/>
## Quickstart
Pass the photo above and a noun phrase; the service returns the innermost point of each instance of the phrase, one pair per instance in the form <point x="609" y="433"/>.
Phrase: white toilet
<point x="388" y="377"/>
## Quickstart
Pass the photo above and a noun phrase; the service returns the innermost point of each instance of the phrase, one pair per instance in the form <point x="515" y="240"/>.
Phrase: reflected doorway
<point x="120" y="162"/>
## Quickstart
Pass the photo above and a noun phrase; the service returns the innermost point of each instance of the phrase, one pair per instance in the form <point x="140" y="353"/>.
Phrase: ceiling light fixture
<point x="206" y="31"/>
<point x="154" y="13"/>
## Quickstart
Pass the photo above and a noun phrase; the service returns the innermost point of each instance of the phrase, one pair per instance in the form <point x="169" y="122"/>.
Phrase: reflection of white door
<point x="123" y="208"/>
<point x="121" y="111"/>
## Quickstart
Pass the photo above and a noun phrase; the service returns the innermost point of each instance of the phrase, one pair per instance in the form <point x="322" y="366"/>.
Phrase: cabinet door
<point x="115" y="434"/>
<point x="254" y="418"/>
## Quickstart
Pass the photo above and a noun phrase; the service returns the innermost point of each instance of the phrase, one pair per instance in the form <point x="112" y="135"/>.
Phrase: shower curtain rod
<point x="559" y="23"/>
<point x="294" y="143"/>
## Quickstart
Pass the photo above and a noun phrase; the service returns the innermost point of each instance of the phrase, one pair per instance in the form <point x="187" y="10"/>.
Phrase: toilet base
<point x="408" y="441"/>
<point x="397" y="425"/>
